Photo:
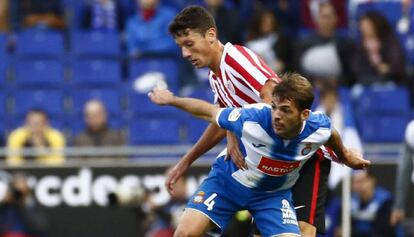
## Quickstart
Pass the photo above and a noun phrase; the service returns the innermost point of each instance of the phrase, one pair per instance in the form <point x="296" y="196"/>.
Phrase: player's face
<point x="196" y="48"/>
<point x="287" y="120"/>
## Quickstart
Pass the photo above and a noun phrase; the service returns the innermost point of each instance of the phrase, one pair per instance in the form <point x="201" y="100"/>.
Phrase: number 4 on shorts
<point x="209" y="201"/>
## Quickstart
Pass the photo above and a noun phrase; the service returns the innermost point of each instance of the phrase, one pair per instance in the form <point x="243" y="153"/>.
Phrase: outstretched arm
<point x="349" y="157"/>
<point x="197" y="108"/>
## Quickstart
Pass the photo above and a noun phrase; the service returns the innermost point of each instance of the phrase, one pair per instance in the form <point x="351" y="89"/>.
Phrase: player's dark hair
<point x="193" y="18"/>
<point x="296" y="88"/>
<point x="382" y="27"/>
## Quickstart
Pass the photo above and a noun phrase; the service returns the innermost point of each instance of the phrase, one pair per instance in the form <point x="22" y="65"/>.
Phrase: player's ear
<point x="211" y="35"/>
<point x="304" y="115"/>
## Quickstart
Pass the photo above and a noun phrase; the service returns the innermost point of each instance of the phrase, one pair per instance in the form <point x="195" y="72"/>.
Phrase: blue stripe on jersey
<point x="242" y="121"/>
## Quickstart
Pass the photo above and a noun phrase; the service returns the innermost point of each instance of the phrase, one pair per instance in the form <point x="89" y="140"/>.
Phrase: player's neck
<point x="294" y="132"/>
<point x="217" y="54"/>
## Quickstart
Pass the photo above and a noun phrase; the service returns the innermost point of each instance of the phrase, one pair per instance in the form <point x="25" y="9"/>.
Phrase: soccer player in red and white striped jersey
<point x="238" y="77"/>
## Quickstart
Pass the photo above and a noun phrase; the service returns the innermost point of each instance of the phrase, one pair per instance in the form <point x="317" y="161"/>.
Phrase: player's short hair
<point x="296" y="88"/>
<point x="38" y="111"/>
<point x="193" y="18"/>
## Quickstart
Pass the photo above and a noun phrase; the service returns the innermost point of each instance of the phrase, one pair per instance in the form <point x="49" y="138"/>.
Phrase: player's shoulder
<point x="256" y="112"/>
<point x="320" y="119"/>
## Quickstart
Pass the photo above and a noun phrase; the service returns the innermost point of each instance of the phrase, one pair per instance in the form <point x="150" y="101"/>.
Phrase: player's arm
<point x="197" y="108"/>
<point x="349" y="157"/>
<point x="211" y="136"/>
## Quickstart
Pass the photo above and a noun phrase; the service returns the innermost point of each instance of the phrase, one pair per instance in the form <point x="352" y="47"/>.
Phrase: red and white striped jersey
<point x="241" y="77"/>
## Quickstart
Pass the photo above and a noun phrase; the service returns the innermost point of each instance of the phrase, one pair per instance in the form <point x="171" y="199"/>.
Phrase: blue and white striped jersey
<point x="273" y="163"/>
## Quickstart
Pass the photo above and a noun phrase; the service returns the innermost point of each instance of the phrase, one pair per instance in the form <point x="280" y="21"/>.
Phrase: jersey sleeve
<point x="231" y="119"/>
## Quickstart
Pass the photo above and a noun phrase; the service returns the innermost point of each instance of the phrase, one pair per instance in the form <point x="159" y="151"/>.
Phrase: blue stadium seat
<point x="195" y="128"/>
<point x="109" y="96"/>
<point x="96" y="44"/>
<point x="382" y="128"/>
<point x="154" y="131"/>
<point x="49" y="100"/>
<point x="40" y="43"/>
<point x="141" y="105"/>
<point x="168" y="67"/>
<point x="96" y="72"/>
<point x="39" y="73"/>
<point x="203" y="93"/>
<point x="3" y="72"/>
<point x="2" y="104"/>
<point x="3" y="137"/>
<point x="392" y="10"/>
<point x="380" y="101"/>
<point x="3" y="46"/>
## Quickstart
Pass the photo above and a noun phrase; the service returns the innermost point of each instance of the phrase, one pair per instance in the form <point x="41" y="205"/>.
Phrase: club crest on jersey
<point x="234" y="115"/>
<point x="199" y="197"/>
<point x="230" y="86"/>
<point x="306" y="149"/>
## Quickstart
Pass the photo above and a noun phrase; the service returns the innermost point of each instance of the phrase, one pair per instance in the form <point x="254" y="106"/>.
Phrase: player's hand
<point x="233" y="151"/>
<point x="173" y="175"/>
<point x="397" y="215"/>
<point x="161" y="97"/>
<point x="355" y="160"/>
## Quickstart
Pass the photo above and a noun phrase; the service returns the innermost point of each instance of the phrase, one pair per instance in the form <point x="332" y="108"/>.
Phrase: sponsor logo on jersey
<point x="277" y="167"/>
<point x="199" y="197"/>
<point x="306" y="149"/>
<point x="234" y="115"/>
<point x="288" y="215"/>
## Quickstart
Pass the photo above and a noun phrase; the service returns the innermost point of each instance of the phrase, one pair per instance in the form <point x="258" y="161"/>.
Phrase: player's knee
<point x="307" y="230"/>
<point x="181" y="232"/>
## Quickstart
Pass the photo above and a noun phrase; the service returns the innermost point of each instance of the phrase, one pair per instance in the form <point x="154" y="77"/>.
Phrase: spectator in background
<point x="97" y="132"/>
<point x="325" y="54"/>
<point x="19" y="214"/>
<point x="38" y="135"/>
<point x="310" y="12"/>
<point x="265" y="39"/>
<point x="4" y="16"/>
<point x="227" y="21"/>
<point x="405" y="170"/>
<point x="379" y="57"/>
<point x="342" y="117"/>
<point x="39" y="13"/>
<point x="163" y="220"/>
<point x="370" y="207"/>
<point x="103" y="15"/>
<point x="147" y="30"/>
<point x="287" y="15"/>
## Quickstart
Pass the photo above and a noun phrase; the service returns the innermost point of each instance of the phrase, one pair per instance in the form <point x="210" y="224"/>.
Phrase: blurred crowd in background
<point x="57" y="56"/>
<point x="77" y="73"/>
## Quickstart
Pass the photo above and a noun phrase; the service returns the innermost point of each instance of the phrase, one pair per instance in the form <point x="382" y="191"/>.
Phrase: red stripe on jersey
<point x="315" y="188"/>
<point x="226" y="92"/>
<point x="243" y="51"/>
<point x="242" y="95"/>
<point x="218" y="91"/>
<point x="242" y="71"/>
<point x="333" y="155"/>
<point x="268" y="72"/>
<point x="273" y="76"/>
